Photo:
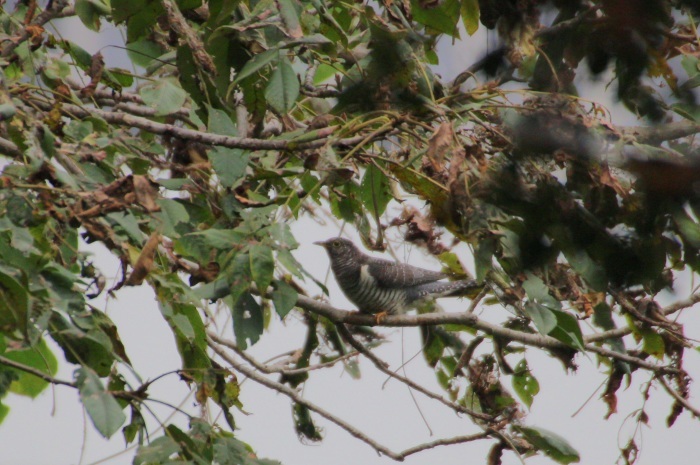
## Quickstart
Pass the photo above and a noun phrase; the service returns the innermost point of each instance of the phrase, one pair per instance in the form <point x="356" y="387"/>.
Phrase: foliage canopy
<point x="242" y="117"/>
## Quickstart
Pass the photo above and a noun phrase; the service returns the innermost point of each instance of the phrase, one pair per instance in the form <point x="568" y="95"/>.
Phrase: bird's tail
<point x="464" y="288"/>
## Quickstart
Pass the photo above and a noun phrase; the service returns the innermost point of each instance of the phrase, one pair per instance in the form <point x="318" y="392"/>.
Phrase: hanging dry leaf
<point x="146" y="193"/>
<point x="144" y="264"/>
<point x="439" y="144"/>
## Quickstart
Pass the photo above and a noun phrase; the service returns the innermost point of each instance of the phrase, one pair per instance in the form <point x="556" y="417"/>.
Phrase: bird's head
<point x="338" y="247"/>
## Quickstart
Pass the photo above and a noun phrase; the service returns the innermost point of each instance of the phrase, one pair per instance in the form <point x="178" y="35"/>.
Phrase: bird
<point x="384" y="287"/>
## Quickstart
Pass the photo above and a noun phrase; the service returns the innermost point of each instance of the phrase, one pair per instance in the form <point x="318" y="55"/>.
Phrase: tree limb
<point x="471" y="320"/>
<point x="44" y="17"/>
<point x="319" y="139"/>
<point x="293" y="395"/>
<point x="684" y="402"/>
<point x="410" y="383"/>
<point x="272" y="369"/>
<point x="654" y="135"/>
<point x="179" y="25"/>
<point x="33" y="371"/>
<point x="9" y="148"/>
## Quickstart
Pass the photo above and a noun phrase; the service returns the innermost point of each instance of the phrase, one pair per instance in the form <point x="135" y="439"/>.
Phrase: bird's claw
<point x="380" y="317"/>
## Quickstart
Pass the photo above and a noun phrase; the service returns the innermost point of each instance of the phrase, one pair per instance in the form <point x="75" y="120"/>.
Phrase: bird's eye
<point x="335" y="244"/>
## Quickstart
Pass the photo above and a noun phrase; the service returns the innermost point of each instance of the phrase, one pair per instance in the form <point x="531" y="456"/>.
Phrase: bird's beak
<point x="321" y="243"/>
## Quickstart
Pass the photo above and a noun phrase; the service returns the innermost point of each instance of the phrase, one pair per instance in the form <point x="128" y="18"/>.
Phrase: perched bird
<point x="384" y="287"/>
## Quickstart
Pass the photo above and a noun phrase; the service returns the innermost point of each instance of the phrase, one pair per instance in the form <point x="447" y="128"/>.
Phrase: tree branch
<point x="287" y="391"/>
<point x="471" y="320"/>
<point x="270" y="370"/>
<point x="180" y="26"/>
<point x="410" y="383"/>
<point x="653" y="135"/>
<point x="443" y="442"/>
<point x="319" y="139"/>
<point x="35" y="372"/>
<point x="9" y="148"/>
<point x="44" y="17"/>
<point x="684" y="402"/>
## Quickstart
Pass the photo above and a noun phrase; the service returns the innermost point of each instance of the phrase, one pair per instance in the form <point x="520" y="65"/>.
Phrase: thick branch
<point x="536" y="340"/>
<point x="180" y="26"/>
<point x="653" y="135"/>
<point x="320" y="138"/>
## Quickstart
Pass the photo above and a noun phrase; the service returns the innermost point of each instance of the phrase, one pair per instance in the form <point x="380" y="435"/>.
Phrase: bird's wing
<point x="390" y="274"/>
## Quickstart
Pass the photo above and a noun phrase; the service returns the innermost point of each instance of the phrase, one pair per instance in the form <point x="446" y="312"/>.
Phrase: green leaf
<point x="551" y="444"/>
<point x="256" y="63"/>
<point x="157" y="452"/>
<point x="222" y="239"/>
<point x="593" y="273"/>
<point x="543" y="317"/>
<point x="262" y="266"/>
<point x="92" y="348"/>
<point x="442" y="18"/>
<point x="164" y="95"/>
<point x="283" y="88"/>
<point x="375" y="192"/>
<point x="470" y="15"/>
<point x="567" y="330"/>
<point x="652" y="343"/>
<point x="284" y="297"/>
<point x="524" y="384"/>
<point x="230" y="164"/>
<point x="14" y="303"/>
<point x="247" y="320"/>
<point x="89" y="12"/>
<point x="483" y="257"/>
<point x="142" y="52"/>
<point x="103" y="409"/>
<point x="39" y="357"/>
<point x="220" y="122"/>
<point x="290" y="18"/>
<point x="538" y="292"/>
<point x="172" y="214"/>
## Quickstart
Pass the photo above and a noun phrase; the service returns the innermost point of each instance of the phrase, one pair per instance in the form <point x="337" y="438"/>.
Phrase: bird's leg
<point x="380" y="317"/>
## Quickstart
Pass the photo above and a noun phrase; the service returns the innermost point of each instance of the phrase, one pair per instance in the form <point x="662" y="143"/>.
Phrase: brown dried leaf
<point x="442" y="140"/>
<point x="144" y="264"/>
<point x="97" y="66"/>
<point x="607" y="179"/>
<point x="614" y="383"/>
<point x="36" y="33"/>
<point x="146" y="193"/>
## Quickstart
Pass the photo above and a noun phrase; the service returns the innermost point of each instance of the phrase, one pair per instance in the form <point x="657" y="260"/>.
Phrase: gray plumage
<point x="376" y="285"/>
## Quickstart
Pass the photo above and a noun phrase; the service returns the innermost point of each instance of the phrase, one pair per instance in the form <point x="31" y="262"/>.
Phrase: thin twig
<point x="443" y="442"/>
<point x="275" y="369"/>
<point x="44" y="17"/>
<point x="678" y="397"/>
<point x="34" y="371"/>
<point x="381" y="366"/>
<point x="293" y="395"/>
